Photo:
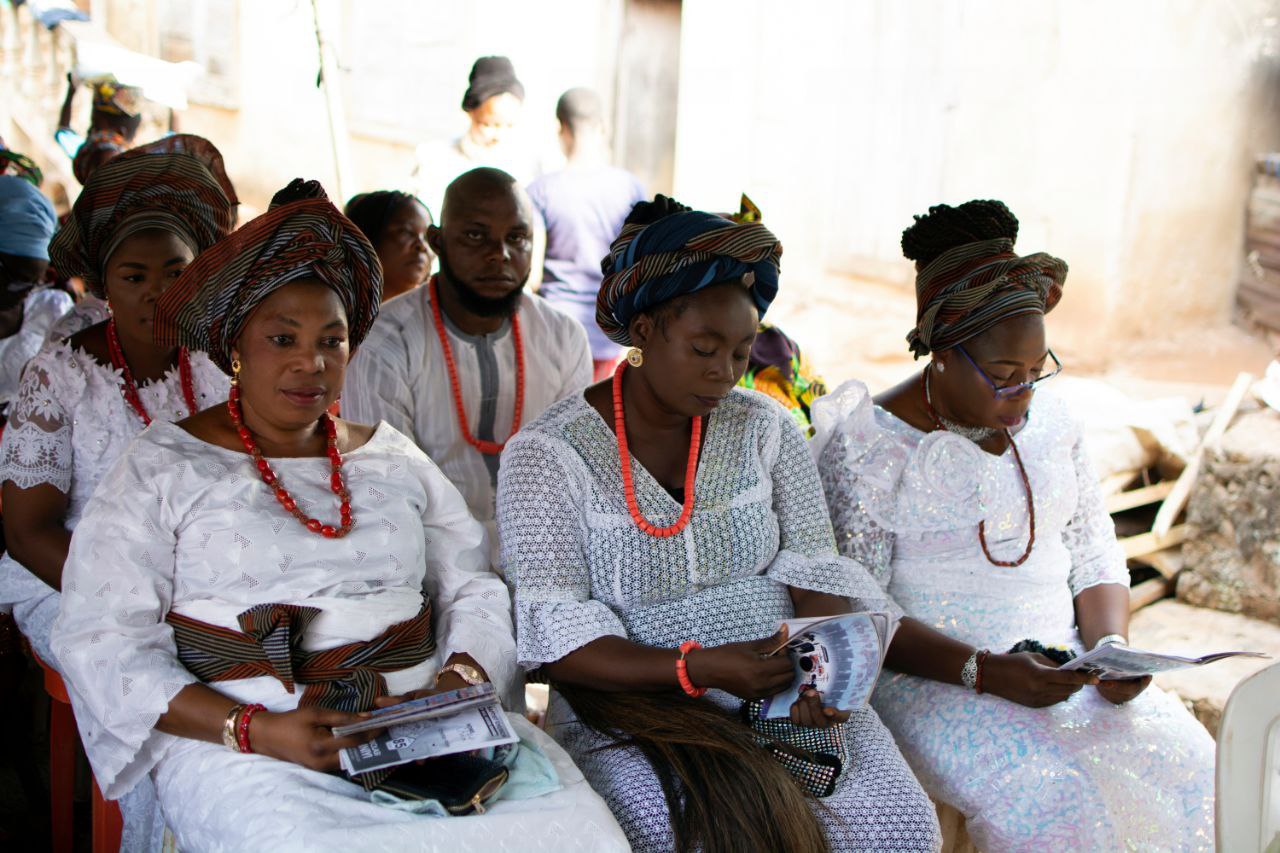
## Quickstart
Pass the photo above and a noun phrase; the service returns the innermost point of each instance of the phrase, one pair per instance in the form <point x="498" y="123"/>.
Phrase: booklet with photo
<point x="839" y="656"/>
<point x="472" y="727"/>
<point x="425" y="708"/>
<point x="1112" y="661"/>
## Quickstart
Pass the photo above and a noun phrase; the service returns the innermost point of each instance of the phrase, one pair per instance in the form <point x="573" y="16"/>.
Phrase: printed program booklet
<point x="1113" y="661"/>
<point x="457" y="721"/>
<point x="839" y="656"/>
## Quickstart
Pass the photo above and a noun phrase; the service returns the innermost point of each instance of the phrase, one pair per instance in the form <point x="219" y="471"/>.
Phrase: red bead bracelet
<point x="682" y="669"/>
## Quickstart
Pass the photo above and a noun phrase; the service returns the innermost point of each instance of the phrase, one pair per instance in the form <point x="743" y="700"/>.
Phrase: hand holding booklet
<point x="456" y="721"/>
<point x="1112" y="661"/>
<point x="839" y="656"/>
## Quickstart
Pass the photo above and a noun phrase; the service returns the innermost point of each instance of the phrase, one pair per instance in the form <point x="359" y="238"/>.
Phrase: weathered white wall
<point x="1122" y="134"/>
<point x="405" y="70"/>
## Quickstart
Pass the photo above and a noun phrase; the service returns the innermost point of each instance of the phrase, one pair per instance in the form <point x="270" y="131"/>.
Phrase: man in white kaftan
<point x="401" y="373"/>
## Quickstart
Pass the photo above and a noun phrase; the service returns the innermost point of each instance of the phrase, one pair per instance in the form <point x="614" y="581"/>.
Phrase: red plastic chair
<point x="63" y="741"/>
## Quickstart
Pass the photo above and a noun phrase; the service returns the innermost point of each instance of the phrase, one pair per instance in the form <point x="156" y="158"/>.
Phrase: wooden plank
<point x="1115" y="483"/>
<point x="1148" y="592"/>
<point x="1177" y="499"/>
<point x="1149" y="543"/>
<point x="1167" y="562"/>
<point x="1121" y="501"/>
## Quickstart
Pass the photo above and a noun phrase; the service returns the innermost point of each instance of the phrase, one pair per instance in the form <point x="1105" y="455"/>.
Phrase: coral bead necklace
<point x="624" y="458"/>
<point x="491" y="448"/>
<point x="1022" y="471"/>
<point x="129" y="390"/>
<point x="272" y="479"/>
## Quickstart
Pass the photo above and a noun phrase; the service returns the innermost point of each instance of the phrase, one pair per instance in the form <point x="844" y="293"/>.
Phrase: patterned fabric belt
<point x="345" y="678"/>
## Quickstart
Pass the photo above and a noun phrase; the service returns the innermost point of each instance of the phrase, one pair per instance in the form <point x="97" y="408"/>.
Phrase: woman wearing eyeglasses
<point x="970" y="497"/>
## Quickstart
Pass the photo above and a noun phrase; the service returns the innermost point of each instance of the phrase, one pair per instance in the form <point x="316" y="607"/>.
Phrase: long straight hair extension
<point x="724" y="793"/>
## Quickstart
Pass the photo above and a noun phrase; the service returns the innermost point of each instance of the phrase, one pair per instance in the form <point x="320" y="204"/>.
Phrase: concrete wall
<point x="1121" y="134"/>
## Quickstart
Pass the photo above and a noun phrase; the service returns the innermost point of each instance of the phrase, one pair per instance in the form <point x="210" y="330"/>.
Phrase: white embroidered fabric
<point x="40" y="311"/>
<point x="190" y="527"/>
<point x="906" y="505"/>
<point x="89" y="311"/>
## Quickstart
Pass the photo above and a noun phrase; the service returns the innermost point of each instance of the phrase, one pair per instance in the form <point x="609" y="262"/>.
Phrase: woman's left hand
<point x="808" y="711"/>
<point x="1120" y="690"/>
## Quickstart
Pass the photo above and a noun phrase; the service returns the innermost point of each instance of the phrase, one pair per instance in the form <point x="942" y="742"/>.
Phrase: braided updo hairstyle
<point x="945" y="227"/>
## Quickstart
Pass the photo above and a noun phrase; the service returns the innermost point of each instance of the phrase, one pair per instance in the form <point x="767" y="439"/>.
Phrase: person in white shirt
<point x="461" y="364"/>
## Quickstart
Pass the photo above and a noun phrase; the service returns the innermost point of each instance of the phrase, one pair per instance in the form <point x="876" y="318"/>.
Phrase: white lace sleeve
<point x="541" y="517"/>
<point x="807" y="556"/>
<point x="1090" y="535"/>
<point x="37" y="441"/>
<point x="471" y="605"/>
<point x="116" y="652"/>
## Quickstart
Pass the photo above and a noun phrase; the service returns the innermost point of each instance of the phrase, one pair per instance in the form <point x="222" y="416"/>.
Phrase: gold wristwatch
<point x="466" y="672"/>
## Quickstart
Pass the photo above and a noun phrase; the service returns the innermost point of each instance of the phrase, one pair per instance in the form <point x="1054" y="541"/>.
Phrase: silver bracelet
<point x="969" y="672"/>
<point x="1116" y="639"/>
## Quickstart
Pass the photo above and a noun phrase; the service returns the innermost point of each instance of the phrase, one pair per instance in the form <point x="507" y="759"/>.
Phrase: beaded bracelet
<point x="242" y="726"/>
<point x="977" y="682"/>
<point x="682" y="669"/>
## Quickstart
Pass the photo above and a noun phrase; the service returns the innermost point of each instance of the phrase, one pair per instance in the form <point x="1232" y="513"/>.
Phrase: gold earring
<point x="235" y="371"/>
<point x="635" y="356"/>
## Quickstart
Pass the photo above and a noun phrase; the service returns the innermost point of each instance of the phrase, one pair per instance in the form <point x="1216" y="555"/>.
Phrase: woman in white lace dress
<point x="715" y="534"/>
<point x="134" y="228"/>
<point x="277" y="572"/>
<point x="979" y="513"/>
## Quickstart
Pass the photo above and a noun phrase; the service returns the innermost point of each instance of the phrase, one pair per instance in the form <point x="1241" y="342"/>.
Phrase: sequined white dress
<point x="1080" y="775"/>
<point x="190" y="527"/>
<point x="583" y="570"/>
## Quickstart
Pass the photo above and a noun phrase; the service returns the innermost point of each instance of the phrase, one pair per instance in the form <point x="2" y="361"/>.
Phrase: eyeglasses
<point x="1003" y="392"/>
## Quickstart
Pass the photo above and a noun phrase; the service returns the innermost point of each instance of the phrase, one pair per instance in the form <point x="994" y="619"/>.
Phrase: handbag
<point x="461" y="782"/>
<point x="815" y="757"/>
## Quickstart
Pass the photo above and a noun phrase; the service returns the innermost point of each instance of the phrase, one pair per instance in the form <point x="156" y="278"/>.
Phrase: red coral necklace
<point x="272" y="479"/>
<point x="1022" y="471"/>
<point x="129" y="390"/>
<point x="624" y="458"/>
<point x="491" y="448"/>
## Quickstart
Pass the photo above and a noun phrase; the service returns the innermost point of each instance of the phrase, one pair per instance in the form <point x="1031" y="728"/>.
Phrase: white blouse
<point x="179" y="524"/>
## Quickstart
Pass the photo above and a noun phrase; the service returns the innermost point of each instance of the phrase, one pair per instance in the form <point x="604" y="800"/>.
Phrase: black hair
<point x="579" y="108"/>
<point x="297" y="190"/>
<point x="371" y="212"/>
<point x="945" y="227"/>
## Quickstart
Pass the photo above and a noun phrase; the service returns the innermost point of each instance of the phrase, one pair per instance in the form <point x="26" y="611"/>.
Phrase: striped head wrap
<point x="681" y="254"/>
<point x="970" y="288"/>
<point x="177" y="184"/>
<point x="207" y="307"/>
